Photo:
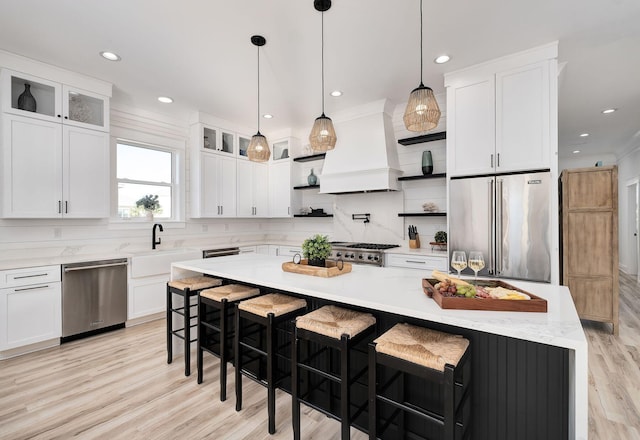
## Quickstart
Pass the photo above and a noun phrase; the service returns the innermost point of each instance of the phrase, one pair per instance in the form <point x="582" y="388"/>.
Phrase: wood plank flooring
<point x="118" y="386"/>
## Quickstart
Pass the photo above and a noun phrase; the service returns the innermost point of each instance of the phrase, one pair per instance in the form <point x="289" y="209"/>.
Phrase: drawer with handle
<point x="424" y="262"/>
<point x="29" y="276"/>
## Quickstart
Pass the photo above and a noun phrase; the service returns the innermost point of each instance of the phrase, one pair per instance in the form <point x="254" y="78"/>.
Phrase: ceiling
<point x="199" y="53"/>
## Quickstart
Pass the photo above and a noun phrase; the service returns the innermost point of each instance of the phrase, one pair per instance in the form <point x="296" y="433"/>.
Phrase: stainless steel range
<point x="361" y="253"/>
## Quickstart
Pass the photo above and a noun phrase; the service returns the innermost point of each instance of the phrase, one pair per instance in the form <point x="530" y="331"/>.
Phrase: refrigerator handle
<point x="492" y="219"/>
<point x="499" y="228"/>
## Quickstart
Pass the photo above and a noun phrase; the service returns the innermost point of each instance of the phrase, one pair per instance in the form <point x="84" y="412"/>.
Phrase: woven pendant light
<point x="323" y="135"/>
<point x="422" y="112"/>
<point x="258" y="149"/>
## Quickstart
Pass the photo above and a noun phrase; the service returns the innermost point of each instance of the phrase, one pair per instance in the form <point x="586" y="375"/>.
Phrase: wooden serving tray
<point x="330" y="269"/>
<point x="535" y="304"/>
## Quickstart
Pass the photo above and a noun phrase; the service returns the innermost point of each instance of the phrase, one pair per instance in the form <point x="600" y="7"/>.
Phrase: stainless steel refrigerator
<point x="506" y="217"/>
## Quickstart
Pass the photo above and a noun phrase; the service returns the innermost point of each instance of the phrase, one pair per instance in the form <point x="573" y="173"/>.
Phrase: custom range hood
<point x="365" y="158"/>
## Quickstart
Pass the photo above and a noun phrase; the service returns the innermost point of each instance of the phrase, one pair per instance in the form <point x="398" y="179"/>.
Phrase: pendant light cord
<point x="322" y="58"/>
<point x="421" y="43"/>
<point x="258" y="89"/>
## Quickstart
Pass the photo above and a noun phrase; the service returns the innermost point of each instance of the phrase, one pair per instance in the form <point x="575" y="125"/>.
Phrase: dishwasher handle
<point x="96" y="266"/>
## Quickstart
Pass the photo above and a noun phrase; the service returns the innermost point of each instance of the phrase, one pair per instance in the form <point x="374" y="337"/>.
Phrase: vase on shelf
<point x="26" y="101"/>
<point x="312" y="179"/>
<point x="427" y="163"/>
<point x="149" y="215"/>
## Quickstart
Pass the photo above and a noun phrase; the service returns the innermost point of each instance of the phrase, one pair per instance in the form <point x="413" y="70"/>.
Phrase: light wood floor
<point x="118" y="386"/>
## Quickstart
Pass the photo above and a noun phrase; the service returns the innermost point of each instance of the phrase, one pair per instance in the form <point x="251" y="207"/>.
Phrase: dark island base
<point x="520" y="389"/>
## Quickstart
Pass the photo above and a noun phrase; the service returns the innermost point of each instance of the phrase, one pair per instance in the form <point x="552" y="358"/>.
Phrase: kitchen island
<point x="529" y="369"/>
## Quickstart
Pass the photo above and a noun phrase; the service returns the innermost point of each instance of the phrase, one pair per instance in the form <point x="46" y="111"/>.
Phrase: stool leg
<point x="449" y="404"/>
<point x="169" y="326"/>
<point x="199" y="351"/>
<point x="295" y="410"/>
<point x="223" y="350"/>
<point x="187" y="331"/>
<point x="345" y="389"/>
<point x="373" y="416"/>
<point x="271" y="387"/>
<point x="237" y="350"/>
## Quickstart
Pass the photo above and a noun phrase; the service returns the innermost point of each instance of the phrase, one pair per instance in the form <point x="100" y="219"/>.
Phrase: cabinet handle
<point x="59" y="206"/>
<point x="415" y="261"/>
<point x="288" y="210"/>
<point x="30" y="288"/>
<point x="492" y="161"/>
<point x="59" y="116"/>
<point x="66" y="207"/>
<point x="498" y="159"/>
<point x="30" y="276"/>
<point x="221" y="209"/>
<point x="66" y="117"/>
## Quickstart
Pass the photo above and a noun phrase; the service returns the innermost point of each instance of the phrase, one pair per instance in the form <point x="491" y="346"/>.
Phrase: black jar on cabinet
<point x="26" y="101"/>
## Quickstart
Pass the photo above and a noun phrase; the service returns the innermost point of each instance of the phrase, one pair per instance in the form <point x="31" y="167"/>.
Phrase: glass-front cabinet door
<point x="28" y="95"/>
<point x="281" y="150"/>
<point x="243" y="145"/>
<point x="85" y="109"/>
<point x="217" y="140"/>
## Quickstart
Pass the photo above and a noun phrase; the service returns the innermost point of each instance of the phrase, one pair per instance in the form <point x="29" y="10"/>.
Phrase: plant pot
<point x="319" y="262"/>
<point x="149" y="215"/>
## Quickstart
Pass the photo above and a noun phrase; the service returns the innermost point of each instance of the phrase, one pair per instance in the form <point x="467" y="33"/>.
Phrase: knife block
<point x="415" y="244"/>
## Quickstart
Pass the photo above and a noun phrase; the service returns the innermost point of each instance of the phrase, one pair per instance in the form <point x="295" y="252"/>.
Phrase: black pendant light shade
<point x="422" y="112"/>
<point x="258" y="149"/>
<point x="323" y="135"/>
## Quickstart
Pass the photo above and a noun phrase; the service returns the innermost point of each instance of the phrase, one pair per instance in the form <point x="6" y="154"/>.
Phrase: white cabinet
<point x="248" y="249"/>
<point x="289" y="251"/>
<point x="54" y="101"/>
<point x="30" y="306"/>
<point x="501" y="115"/>
<point x="51" y="170"/>
<point x="213" y="183"/>
<point x="413" y="261"/>
<point x="280" y="193"/>
<point x="263" y="249"/>
<point x="252" y="189"/>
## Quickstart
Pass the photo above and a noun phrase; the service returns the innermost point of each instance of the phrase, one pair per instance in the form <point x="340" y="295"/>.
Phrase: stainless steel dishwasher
<point x="94" y="296"/>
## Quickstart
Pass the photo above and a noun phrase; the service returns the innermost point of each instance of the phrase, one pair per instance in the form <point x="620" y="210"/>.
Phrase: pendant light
<point x="258" y="149"/>
<point x="323" y="136"/>
<point x="422" y="112"/>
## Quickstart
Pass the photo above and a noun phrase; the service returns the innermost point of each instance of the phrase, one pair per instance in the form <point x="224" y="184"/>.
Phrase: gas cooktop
<point x="375" y="246"/>
<point x="363" y="253"/>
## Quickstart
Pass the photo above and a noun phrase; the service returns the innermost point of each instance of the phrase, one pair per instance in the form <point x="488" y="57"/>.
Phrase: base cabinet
<point x="30" y="306"/>
<point x="589" y="230"/>
<point x="423" y="262"/>
<point x="147" y="296"/>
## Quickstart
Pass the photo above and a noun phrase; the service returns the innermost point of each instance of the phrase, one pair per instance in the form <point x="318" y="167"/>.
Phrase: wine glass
<point x="458" y="261"/>
<point x="476" y="262"/>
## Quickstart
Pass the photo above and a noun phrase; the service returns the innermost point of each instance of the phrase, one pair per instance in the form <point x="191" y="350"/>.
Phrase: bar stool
<point x="268" y="312"/>
<point x="223" y="299"/>
<point x="334" y="328"/>
<point x="185" y="288"/>
<point x="438" y="357"/>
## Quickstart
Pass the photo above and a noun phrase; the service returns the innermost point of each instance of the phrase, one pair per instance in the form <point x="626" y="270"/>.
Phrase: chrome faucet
<point x="155" y="242"/>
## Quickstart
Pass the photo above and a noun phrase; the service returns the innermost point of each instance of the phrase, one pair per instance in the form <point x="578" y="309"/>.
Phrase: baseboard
<point x="13" y="352"/>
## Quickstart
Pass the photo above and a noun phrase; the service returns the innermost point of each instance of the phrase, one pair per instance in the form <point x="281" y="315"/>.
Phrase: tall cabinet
<point x="589" y="246"/>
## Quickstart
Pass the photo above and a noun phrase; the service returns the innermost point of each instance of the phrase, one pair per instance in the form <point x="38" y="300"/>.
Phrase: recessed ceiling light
<point x="584" y="135"/>
<point x="110" y="56"/>
<point x="336" y="93"/>
<point x="609" y="110"/>
<point x="267" y="116"/>
<point x="165" y="99"/>
<point x="442" y="59"/>
<point x="576" y="151"/>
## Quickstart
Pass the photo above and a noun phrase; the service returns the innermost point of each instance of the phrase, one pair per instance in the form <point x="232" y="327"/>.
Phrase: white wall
<point x="628" y="170"/>
<point x="585" y="161"/>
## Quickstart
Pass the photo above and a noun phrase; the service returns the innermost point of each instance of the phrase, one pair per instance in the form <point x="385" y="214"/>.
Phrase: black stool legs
<point x="186" y="295"/>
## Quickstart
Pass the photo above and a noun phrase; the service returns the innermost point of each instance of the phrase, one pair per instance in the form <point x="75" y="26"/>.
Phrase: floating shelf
<point x="318" y="156"/>
<point x="423" y="138"/>
<point x="313" y="216"/>
<point x="307" y="187"/>
<point x="428" y="176"/>
<point x="422" y="214"/>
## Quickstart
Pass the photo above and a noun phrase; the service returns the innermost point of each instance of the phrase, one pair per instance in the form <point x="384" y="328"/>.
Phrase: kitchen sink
<point x="158" y="262"/>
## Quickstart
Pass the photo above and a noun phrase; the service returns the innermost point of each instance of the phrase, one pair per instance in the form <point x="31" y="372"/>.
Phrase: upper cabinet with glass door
<point x="35" y="97"/>
<point x="217" y="140"/>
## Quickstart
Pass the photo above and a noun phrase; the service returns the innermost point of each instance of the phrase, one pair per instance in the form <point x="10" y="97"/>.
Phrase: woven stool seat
<point x="274" y="303"/>
<point x="195" y="283"/>
<point x="230" y="292"/>
<point x="335" y="321"/>
<point x="422" y="346"/>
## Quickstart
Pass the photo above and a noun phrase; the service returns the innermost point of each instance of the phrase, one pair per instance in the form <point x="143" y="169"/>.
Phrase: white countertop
<point x="424" y="250"/>
<point x="399" y="291"/>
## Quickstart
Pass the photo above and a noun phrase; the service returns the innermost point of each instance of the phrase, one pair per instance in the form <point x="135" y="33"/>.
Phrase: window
<point x="143" y="171"/>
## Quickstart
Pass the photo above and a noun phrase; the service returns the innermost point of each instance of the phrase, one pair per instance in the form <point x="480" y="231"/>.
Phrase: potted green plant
<point x="440" y="237"/>
<point x="150" y="203"/>
<point x="316" y="249"/>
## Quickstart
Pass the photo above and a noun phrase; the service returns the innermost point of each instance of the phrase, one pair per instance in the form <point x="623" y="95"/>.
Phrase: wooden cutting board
<point x="330" y="270"/>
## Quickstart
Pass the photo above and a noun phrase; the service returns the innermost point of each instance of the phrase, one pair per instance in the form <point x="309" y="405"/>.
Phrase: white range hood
<point x="365" y="158"/>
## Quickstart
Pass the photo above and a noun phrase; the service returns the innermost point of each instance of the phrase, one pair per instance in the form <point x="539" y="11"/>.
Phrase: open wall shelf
<point x="313" y="216"/>
<point x="423" y="138"/>
<point x="318" y="156"/>
<point x="422" y="214"/>
<point x="307" y="187"/>
<point x="420" y="177"/>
